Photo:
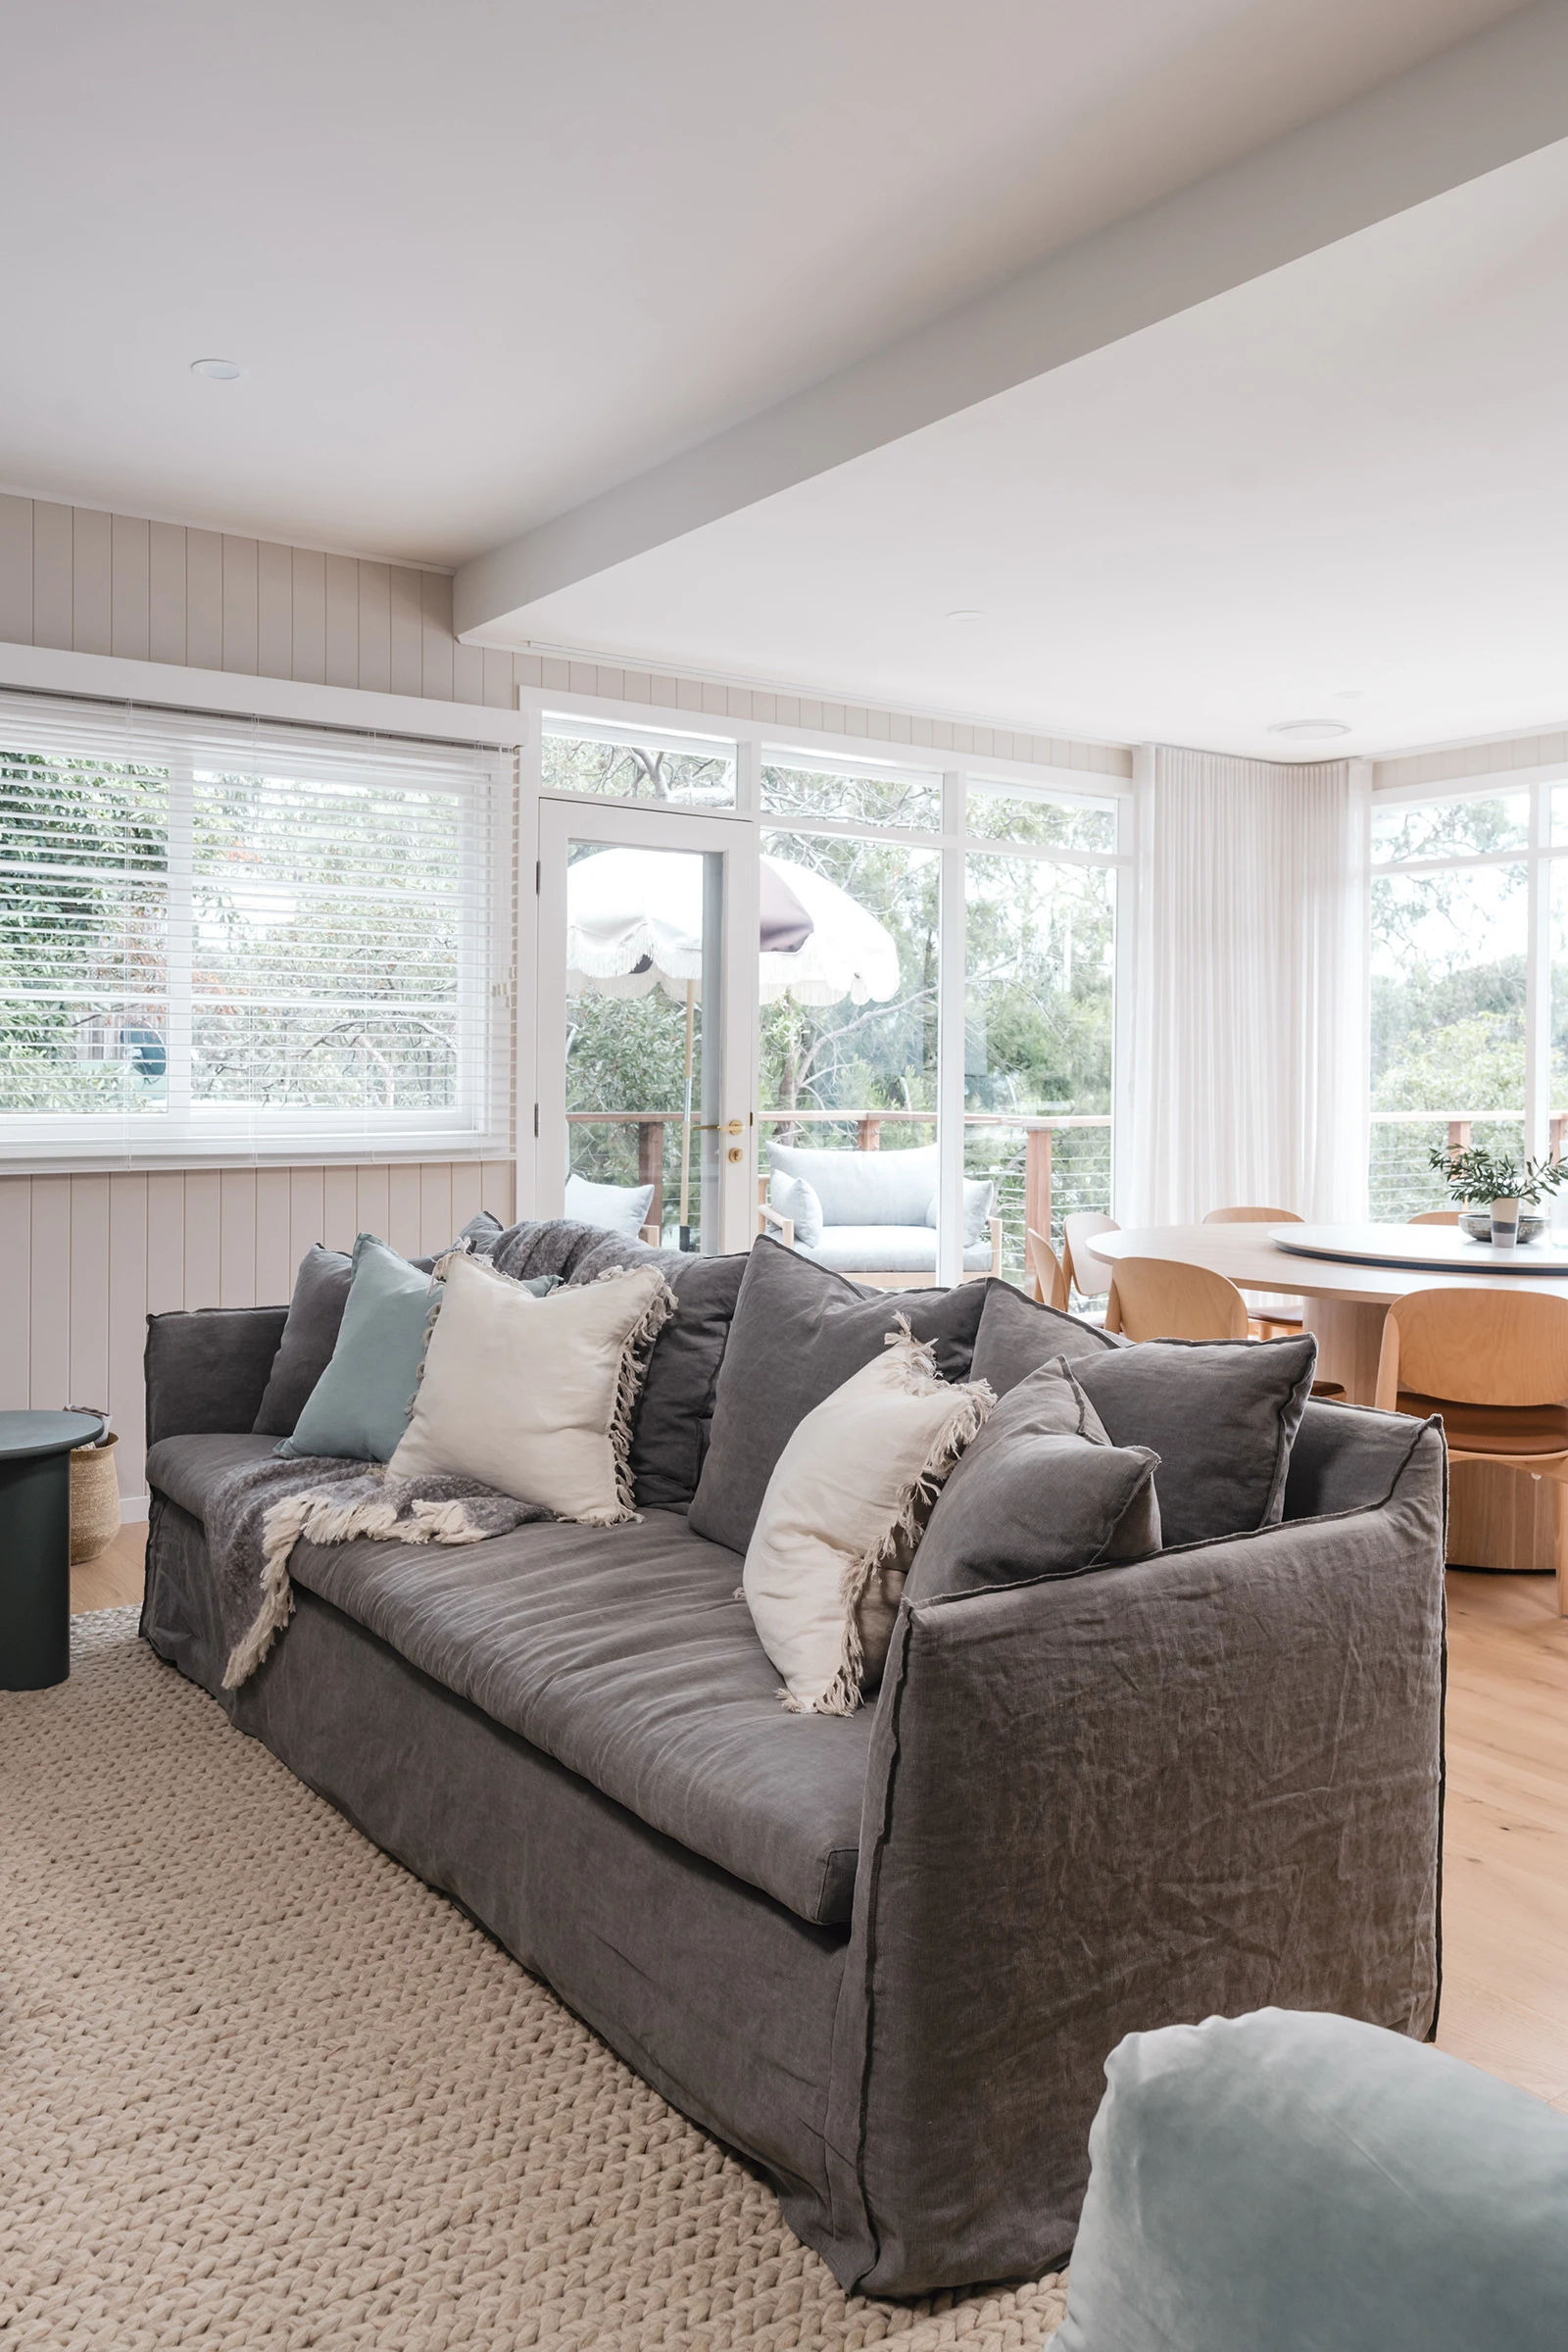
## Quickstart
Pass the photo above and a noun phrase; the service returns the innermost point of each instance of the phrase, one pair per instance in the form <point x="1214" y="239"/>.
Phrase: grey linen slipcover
<point x="1098" y="1804"/>
<point x="799" y="1333"/>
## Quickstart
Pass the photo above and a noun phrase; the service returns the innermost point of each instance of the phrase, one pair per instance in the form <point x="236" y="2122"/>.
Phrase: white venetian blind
<point x="239" y="939"/>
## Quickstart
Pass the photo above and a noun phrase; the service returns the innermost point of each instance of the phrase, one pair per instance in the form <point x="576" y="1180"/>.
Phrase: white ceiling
<point x="1348" y="478"/>
<point x="483" y="260"/>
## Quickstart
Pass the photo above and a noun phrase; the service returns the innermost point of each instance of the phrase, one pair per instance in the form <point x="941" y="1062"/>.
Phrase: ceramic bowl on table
<point x="1479" y="1227"/>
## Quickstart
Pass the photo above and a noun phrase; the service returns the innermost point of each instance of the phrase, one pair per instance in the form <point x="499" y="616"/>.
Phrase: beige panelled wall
<point x="94" y="583"/>
<point x="85" y="1260"/>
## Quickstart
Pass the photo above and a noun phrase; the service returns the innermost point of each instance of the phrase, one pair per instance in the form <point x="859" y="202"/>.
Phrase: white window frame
<point x="951" y="838"/>
<point x="242" y="1136"/>
<point x="1537" y="855"/>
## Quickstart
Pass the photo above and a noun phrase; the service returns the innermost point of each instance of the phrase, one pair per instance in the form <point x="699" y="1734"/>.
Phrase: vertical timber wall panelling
<point x="85" y="1260"/>
<point x="89" y="582"/>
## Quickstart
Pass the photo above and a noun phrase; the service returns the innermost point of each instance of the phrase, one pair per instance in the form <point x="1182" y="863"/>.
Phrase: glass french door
<point x="646" y="1010"/>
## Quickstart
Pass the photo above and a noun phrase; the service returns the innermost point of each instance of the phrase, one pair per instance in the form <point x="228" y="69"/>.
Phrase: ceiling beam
<point x="1479" y="105"/>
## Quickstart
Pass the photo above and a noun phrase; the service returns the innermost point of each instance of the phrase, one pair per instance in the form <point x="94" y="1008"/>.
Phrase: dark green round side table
<point x="36" y="1545"/>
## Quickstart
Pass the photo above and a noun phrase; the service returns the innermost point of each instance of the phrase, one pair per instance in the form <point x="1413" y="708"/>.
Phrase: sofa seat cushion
<point x="886" y="1250"/>
<point x="623" y="1654"/>
<point x="187" y="1469"/>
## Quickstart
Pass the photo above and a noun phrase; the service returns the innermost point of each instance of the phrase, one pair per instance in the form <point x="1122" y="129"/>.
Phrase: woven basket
<point x="94" y="1500"/>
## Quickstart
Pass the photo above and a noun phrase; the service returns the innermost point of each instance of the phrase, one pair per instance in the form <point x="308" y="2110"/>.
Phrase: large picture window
<point x="1456" y="990"/>
<point x="220" y="939"/>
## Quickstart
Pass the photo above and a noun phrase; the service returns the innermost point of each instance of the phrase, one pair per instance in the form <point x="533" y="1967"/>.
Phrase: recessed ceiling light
<point x="1310" y="730"/>
<point x="967" y="612"/>
<point x="1351" y="693"/>
<point x="222" y="371"/>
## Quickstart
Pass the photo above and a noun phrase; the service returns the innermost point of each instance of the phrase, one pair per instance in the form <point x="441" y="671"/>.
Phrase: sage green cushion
<point x="1293" y="2182"/>
<point x="360" y="1406"/>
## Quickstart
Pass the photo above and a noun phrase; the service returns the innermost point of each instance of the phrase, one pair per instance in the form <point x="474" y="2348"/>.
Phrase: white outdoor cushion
<point x="979" y="1204"/>
<point x="621" y="1208"/>
<point x="795" y="1198"/>
<point x="843" y="1512"/>
<point x="535" y="1396"/>
<point x="863" y="1188"/>
<point x="886" y="1250"/>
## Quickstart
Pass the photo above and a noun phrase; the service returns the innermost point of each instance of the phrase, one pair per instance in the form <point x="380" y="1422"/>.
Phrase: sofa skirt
<point x="720" y="1997"/>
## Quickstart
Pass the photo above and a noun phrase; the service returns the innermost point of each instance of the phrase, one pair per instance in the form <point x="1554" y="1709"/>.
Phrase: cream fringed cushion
<point x="535" y="1396"/>
<point x="842" y="1513"/>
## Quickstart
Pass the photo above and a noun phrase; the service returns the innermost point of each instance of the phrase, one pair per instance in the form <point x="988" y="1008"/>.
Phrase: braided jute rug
<point x="261" y="2087"/>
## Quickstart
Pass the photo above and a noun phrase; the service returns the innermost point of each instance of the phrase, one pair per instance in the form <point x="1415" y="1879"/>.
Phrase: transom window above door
<point x="636" y="763"/>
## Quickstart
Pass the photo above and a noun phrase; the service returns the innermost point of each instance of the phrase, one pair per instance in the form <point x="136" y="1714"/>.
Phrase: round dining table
<point x="1347" y="1277"/>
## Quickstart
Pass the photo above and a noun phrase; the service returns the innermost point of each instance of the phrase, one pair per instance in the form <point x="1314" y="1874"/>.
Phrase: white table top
<point x="1250" y="1256"/>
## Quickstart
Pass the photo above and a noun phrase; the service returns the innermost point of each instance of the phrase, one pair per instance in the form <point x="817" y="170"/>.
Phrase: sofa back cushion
<point x="799" y="1333"/>
<point x="1222" y="1417"/>
<point x="1041" y="1491"/>
<point x="863" y="1188"/>
<point x="1016" y="1337"/>
<point x="674" y="1418"/>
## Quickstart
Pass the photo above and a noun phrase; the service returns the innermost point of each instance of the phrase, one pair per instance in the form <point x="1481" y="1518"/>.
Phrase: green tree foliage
<point x="1449" y="976"/>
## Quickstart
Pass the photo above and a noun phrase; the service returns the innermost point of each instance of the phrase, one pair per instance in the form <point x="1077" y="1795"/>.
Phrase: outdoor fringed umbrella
<point x="634" y="922"/>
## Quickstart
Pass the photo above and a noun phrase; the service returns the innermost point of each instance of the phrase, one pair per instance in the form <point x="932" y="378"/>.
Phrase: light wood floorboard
<point x="1506" y="1855"/>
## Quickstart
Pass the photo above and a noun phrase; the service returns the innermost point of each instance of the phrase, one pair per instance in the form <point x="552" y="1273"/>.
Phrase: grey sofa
<point x="883" y="1957"/>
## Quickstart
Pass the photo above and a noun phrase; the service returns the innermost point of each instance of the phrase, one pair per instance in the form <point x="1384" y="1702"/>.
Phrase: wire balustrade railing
<point x="1043" y="1168"/>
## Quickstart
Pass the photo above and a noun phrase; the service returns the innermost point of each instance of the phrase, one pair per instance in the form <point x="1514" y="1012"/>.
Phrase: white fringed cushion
<point x="842" y="1513"/>
<point x="535" y="1396"/>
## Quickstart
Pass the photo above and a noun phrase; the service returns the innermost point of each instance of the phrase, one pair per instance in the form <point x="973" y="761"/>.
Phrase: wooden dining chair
<point x="1048" y="1273"/>
<point x="1494" y="1364"/>
<point x="1437" y="1216"/>
<point x="1266" y="1323"/>
<point x="1153" y="1298"/>
<point x="1088" y="1274"/>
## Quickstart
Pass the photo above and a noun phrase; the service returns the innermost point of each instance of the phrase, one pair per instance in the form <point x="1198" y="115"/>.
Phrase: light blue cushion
<point x="863" y="1188"/>
<point x="360" y="1406"/>
<point x="794" y="1198"/>
<point x="624" y="1208"/>
<point x="979" y="1204"/>
<point x="1285" y="2182"/>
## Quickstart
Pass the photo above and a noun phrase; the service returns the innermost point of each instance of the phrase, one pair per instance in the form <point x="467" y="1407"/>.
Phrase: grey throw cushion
<point x="315" y="1312"/>
<point x="1016" y="1337"/>
<point x="799" y="1332"/>
<point x="1222" y="1417"/>
<point x="1041" y="1491"/>
<point x="675" y="1410"/>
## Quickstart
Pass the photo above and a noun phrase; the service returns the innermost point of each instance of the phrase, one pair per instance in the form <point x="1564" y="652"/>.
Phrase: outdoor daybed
<point x="884" y="1955"/>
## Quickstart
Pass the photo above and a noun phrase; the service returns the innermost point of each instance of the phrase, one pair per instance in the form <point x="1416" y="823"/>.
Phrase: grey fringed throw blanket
<point x="260" y="1513"/>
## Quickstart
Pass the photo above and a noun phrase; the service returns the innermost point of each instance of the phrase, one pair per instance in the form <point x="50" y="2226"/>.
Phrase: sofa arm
<point x="1200" y="1784"/>
<point x="207" y="1369"/>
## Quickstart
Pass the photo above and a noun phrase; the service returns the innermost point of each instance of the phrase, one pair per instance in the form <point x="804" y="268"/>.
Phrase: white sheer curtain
<point x="1247" y="1039"/>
